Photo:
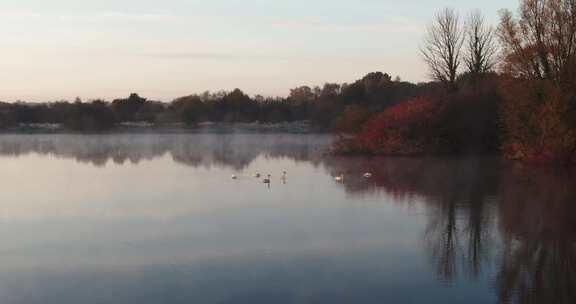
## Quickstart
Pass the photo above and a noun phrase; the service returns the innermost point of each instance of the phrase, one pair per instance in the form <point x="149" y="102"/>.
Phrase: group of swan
<point x="266" y="180"/>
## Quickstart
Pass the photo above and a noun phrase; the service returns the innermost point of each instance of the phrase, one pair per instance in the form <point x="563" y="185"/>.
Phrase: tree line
<point x="322" y="106"/>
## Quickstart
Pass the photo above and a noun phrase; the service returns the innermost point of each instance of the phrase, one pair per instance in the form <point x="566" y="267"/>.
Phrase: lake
<point x="141" y="218"/>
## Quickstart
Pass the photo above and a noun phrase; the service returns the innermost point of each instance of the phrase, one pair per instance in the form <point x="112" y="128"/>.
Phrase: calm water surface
<point x="158" y="219"/>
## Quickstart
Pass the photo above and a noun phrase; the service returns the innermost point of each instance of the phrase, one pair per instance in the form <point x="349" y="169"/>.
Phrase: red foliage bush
<point x="403" y="129"/>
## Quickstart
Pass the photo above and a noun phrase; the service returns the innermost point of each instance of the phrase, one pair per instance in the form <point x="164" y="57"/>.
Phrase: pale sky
<point x="60" y="49"/>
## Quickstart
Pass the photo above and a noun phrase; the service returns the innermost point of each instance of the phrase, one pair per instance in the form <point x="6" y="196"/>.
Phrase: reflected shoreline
<point x="480" y="213"/>
<point x="234" y="151"/>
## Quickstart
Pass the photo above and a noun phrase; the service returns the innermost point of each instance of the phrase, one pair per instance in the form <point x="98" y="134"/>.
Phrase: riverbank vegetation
<point x="508" y="88"/>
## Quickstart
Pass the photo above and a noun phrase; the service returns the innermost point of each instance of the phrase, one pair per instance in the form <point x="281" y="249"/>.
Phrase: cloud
<point x="14" y="15"/>
<point x="85" y="17"/>
<point x="111" y="16"/>
<point x="390" y="25"/>
<point x="208" y="55"/>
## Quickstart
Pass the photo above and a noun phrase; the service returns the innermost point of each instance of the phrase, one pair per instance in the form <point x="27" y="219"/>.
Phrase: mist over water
<point x="158" y="219"/>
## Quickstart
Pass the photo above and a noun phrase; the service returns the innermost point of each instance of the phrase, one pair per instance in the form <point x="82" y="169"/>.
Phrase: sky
<point x="60" y="49"/>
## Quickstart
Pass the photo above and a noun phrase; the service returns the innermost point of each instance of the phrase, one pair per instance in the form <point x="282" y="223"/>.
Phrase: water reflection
<point x="197" y="150"/>
<point x="538" y="220"/>
<point x="533" y="209"/>
<point x="490" y="232"/>
<point x="460" y="197"/>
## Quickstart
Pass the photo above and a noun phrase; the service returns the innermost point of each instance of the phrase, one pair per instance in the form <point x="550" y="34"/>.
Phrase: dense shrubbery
<point x="463" y="121"/>
<point x="405" y="128"/>
<point x="539" y="120"/>
<point x="352" y="119"/>
<point x="469" y="122"/>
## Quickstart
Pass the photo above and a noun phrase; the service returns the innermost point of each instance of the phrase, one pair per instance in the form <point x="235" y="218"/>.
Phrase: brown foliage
<point x="539" y="48"/>
<point x="536" y="117"/>
<point x="541" y="43"/>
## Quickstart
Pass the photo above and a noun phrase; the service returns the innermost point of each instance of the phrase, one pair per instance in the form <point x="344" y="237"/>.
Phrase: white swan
<point x="267" y="180"/>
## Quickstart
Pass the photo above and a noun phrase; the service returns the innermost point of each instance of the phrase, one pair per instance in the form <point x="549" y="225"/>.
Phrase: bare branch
<point x="481" y="48"/>
<point x="442" y="46"/>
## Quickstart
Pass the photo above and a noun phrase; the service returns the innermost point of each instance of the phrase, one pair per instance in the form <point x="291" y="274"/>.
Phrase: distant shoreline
<point x="297" y="127"/>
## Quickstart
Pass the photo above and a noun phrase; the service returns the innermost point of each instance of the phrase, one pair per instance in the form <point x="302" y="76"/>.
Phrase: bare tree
<point x="481" y="48"/>
<point x="443" y="46"/>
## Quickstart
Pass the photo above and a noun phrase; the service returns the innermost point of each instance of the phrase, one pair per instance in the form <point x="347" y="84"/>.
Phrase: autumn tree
<point x="442" y="47"/>
<point x="541" y="42"/>
<point x="539" y="48"/>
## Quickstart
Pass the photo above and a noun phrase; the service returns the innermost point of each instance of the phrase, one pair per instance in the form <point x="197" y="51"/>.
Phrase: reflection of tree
<point x="236" y="151"/>
<point x="476" y="230"/>
<point x="538" y="218"/>
<point x="538" y="272"/>
<point x="460" y="227"/>
<point x="537" y="212"/>
<point x="535" y="208"/>
<point x="442" y="237"/>
<point x="457" y="194"/>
